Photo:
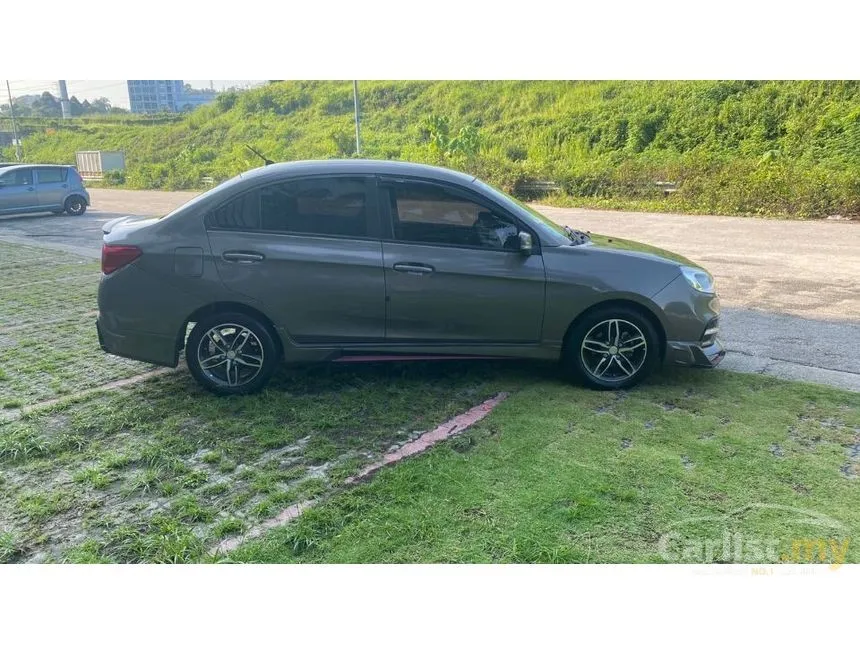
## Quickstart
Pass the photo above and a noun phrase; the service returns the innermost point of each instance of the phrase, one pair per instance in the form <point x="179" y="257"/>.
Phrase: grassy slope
<point x="788" y="148"/>
<point x="565" y="475"/>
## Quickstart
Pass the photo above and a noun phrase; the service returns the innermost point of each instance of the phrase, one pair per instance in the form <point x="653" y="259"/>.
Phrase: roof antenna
<point x="269" y="162"/>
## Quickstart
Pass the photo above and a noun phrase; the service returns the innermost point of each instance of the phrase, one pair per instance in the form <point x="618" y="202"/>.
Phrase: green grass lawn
<point x="47" y="327"/>
<point x="161" y="471"/>
<point x="559" y="474"/>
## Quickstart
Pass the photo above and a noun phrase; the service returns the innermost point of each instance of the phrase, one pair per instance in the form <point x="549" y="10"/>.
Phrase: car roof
<point x="357" y="166"/>
<point x="35" y="165"/>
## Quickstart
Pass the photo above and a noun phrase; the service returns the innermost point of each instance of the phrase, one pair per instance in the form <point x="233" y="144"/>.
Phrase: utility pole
<point x="18" y="154"/>
<point x="357" y="119"/>
<point x="65" y="106"/>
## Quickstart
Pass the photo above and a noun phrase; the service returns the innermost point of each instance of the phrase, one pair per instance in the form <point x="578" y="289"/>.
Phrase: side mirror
<point x="526" y="243"/>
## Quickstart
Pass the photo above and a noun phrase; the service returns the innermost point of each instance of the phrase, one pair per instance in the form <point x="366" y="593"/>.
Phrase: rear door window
<point x="51" y="175"/>
<point x="319" y="206"/>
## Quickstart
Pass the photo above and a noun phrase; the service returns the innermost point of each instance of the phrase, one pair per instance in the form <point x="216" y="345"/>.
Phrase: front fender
<point x="580" y="277"/>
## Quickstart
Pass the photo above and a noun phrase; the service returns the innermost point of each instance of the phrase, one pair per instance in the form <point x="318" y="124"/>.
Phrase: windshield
<point x="547" y="227"/>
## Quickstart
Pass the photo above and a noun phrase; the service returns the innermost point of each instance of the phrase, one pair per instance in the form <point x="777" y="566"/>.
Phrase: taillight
<point x="116" y="257"/>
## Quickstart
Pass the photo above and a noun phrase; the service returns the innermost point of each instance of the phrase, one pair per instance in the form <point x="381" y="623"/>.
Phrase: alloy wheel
<point x="76" y="206"/>
<point x="230" y="355"/>
<point x="614" y="350"/>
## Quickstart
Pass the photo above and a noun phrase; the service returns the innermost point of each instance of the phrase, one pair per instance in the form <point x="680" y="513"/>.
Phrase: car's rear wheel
<point x="76" y="205"/>
<point x="611" y="348"/>
<point x="231" y="353"/>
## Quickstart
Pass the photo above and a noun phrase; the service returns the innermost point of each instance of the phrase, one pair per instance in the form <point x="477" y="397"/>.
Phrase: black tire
<point x="215" y="375"/>
<point x="584" y="363"/>
<point x="75" y="205"/>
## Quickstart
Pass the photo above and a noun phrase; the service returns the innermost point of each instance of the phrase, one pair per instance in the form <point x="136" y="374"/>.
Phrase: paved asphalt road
<point x="790" y="289"/>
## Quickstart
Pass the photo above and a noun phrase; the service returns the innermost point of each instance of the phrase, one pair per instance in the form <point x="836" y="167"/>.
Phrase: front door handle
<point x="30" y="188"/>
<point x="242" y="257"/>
<point x="413" y="268"/>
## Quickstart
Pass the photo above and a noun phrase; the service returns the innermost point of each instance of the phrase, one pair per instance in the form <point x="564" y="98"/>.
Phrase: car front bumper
<point x="695" y="354"/>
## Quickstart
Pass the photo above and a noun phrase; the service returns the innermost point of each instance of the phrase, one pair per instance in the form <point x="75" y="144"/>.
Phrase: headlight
<point x="699" y="279"/>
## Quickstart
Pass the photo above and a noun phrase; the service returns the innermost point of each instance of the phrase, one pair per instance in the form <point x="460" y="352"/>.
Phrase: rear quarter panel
<point x="159" y="291"/>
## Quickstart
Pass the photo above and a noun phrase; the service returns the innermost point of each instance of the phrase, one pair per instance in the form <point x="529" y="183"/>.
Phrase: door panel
<point x="462" y="295"/>
<point x="18" y="192"/>
<point x="453" y="271"/>
<point x="51" y="189"/>
<point x="306" y="250"/>
<point x="319" y="289"/>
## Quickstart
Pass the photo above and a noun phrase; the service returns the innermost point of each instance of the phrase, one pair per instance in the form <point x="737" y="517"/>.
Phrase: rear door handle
<point x="242" y="257"/>
<point x="413" y="268"/>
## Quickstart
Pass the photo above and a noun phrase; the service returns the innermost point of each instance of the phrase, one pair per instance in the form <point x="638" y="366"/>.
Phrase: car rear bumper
<point x="695" y="354"/>
<point x="149" y="348"/>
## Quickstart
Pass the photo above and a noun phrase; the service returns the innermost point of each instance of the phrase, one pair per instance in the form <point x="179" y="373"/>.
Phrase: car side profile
<point x="41" y="187"/>
<point x="357" y="260"/>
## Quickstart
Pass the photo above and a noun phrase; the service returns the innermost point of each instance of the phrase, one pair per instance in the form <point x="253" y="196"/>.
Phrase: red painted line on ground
<point x="287" y="515"/>
<point x="448" y="429"/>
<point x="440" y="433"/>
<point x="11" y="415"/>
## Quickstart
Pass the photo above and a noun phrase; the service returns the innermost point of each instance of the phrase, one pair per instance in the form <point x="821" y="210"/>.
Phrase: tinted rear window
<point x="324" y="206"/>
<point x="51" y="175"/>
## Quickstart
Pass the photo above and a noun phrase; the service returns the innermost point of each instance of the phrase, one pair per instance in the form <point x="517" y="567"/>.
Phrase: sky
<point x="115" y="91"/>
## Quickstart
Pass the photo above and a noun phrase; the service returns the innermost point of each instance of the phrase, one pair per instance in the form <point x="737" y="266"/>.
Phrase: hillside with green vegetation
<point x="736" y="147"/>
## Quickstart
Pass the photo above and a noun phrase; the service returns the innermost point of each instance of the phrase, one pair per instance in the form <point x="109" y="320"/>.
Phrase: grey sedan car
<point x="35" y="188"/>
<point x="370" y="260"/>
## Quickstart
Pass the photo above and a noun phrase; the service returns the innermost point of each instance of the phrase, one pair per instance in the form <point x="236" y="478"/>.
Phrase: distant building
<point x="154" y="96"/>
<point x="166" y="96"/>
<point x="190" y="100"/>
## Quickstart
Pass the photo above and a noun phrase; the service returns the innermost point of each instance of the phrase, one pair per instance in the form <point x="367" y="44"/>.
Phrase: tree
<point x="75" y="106"/>
<point x="46" y="105"/>
<point x="101" y="105"/>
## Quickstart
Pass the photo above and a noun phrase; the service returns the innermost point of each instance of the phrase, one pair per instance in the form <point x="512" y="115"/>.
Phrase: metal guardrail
<point x="534" y="188"/>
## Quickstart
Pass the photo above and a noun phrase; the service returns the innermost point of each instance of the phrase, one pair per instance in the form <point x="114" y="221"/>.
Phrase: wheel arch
<point x="640" y="308"/>
<point x="226" y="307"/>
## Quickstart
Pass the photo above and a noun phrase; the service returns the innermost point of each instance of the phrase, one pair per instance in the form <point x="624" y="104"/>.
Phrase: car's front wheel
<point x="611" y="348"/>
<point x="231" y="353"/>
<point x="76" y="205"/>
